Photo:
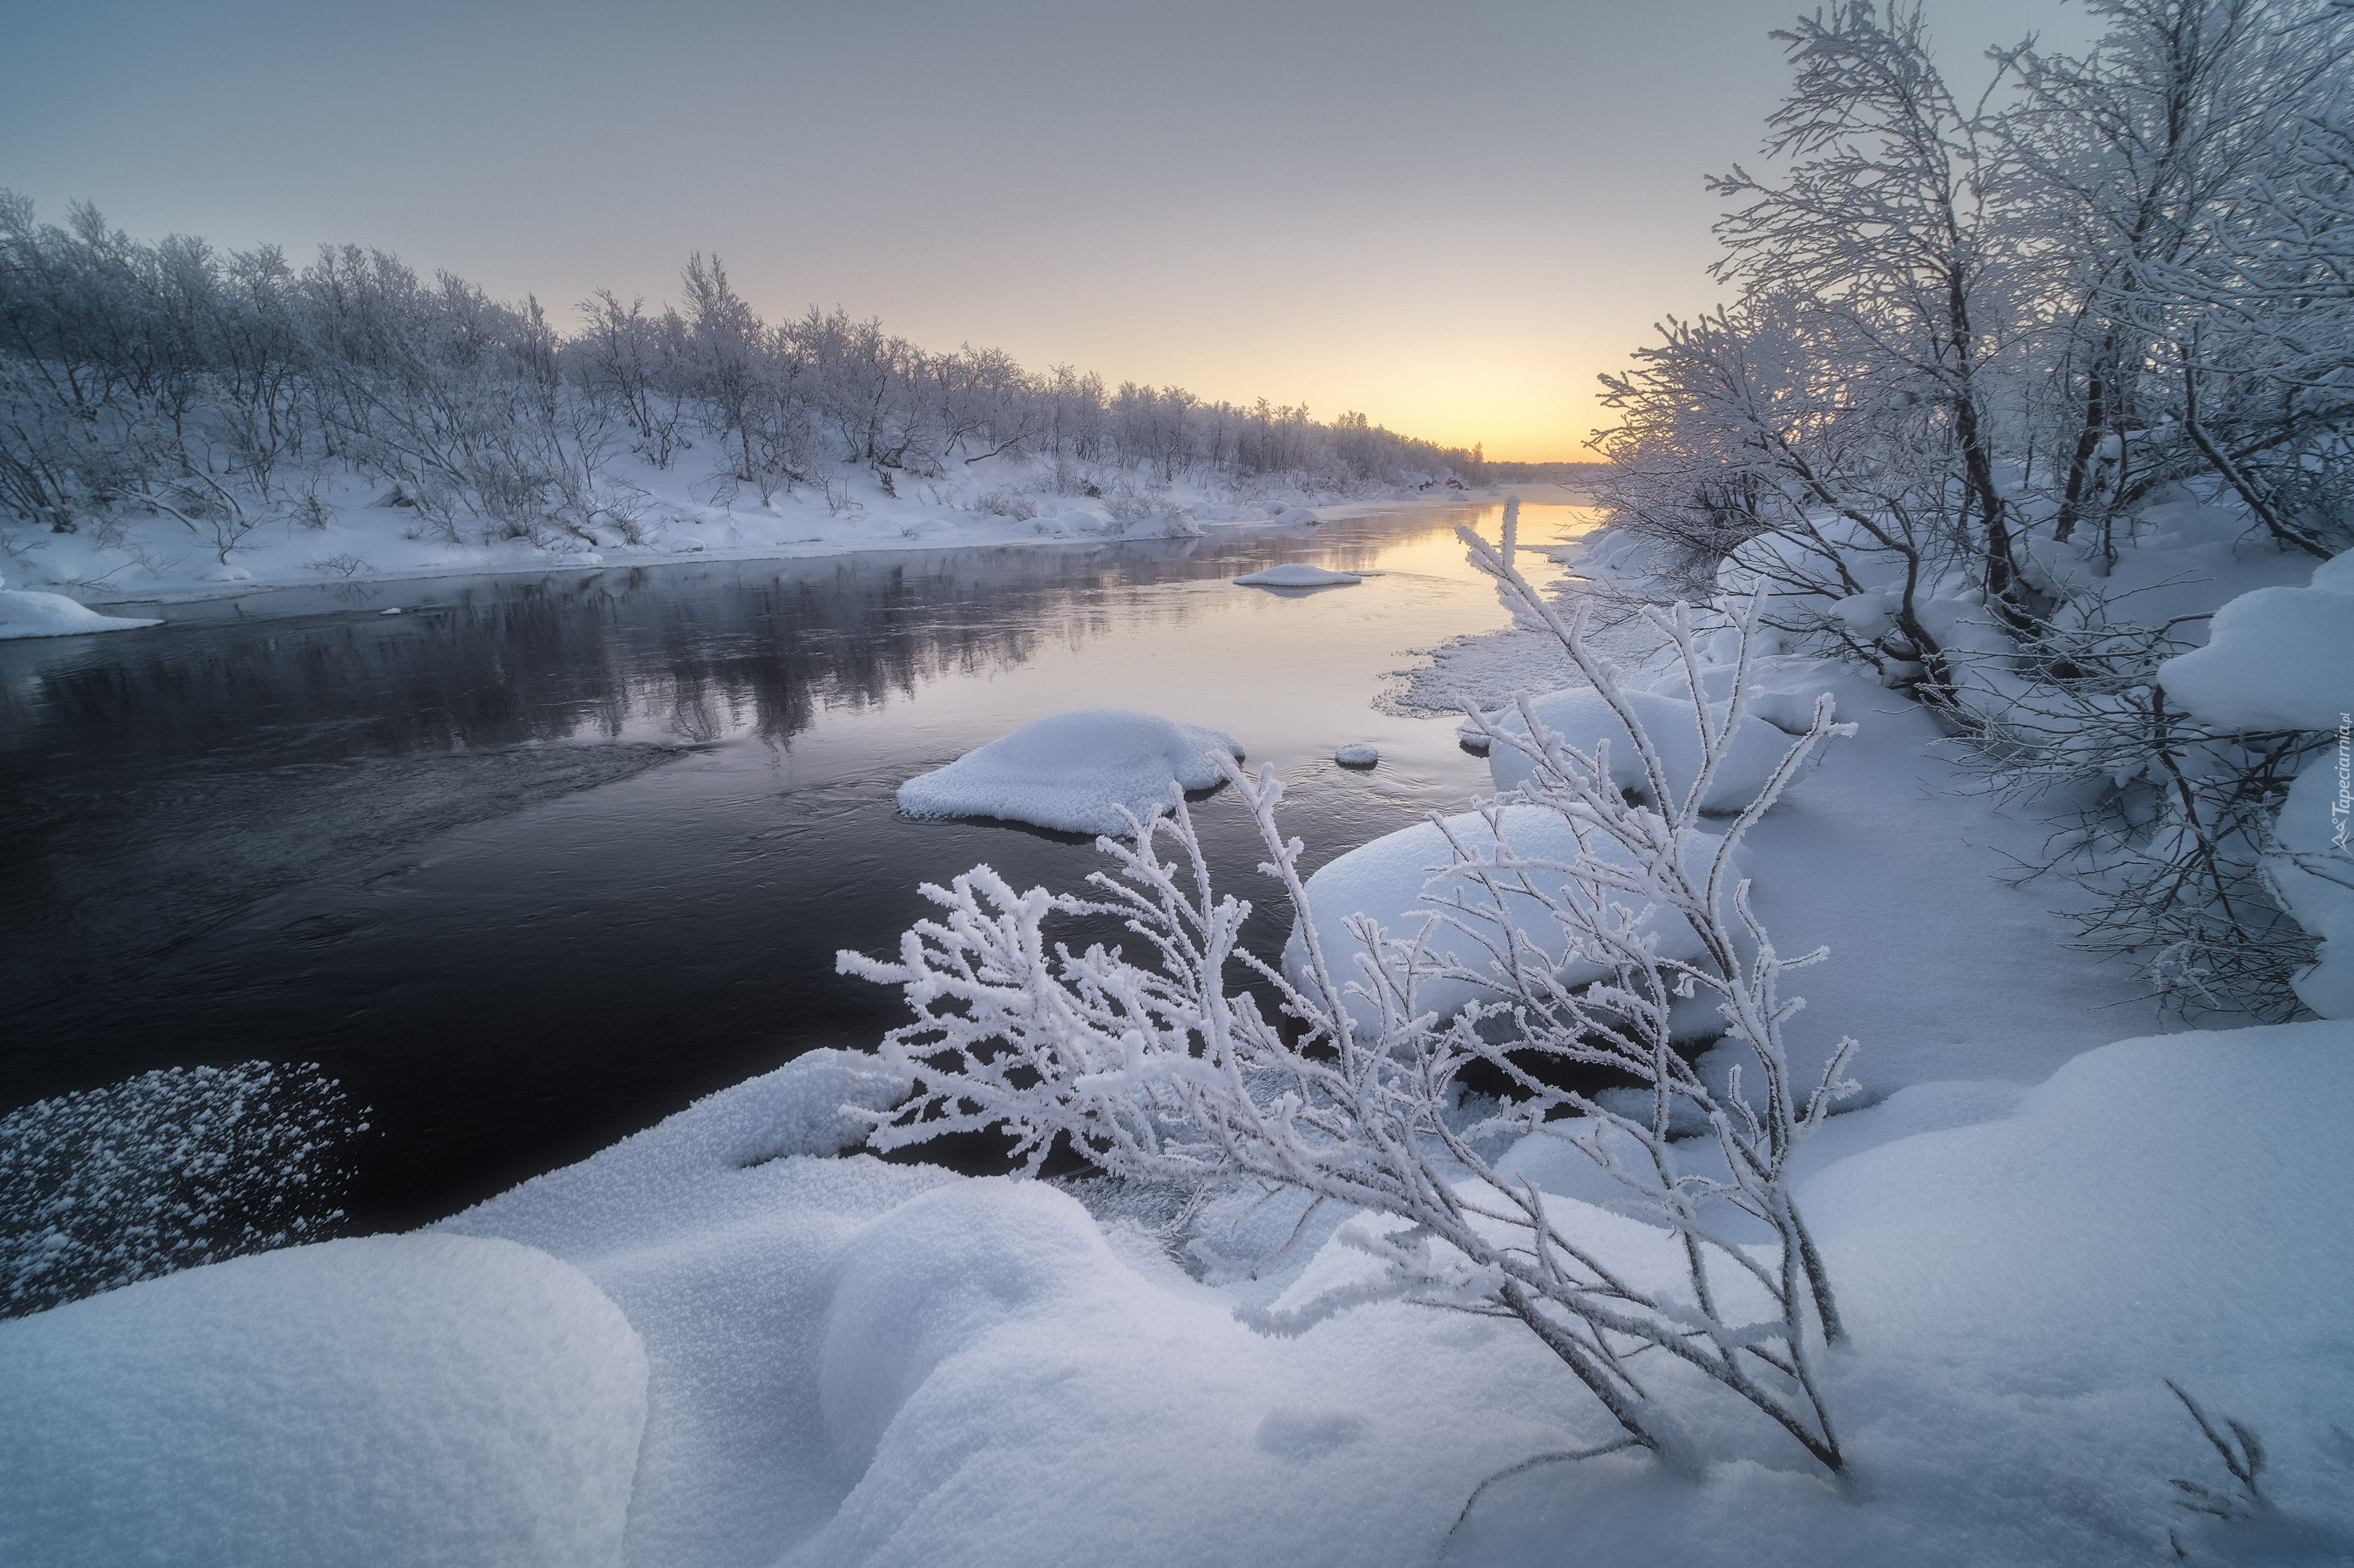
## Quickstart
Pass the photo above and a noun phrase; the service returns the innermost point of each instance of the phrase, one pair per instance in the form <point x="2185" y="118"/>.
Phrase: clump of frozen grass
<point x="1157" y="1072"/>
<point x="1006" y="504"/>
<point x="163" y="1171"/>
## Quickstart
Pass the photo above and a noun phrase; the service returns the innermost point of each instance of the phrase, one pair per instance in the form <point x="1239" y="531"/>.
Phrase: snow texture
<point x="1393" y="879"/>
<point x="1074" y="771"/>
<point x="24" y="613"/>
<point x="1580" y="717"/>
<point x="2278" y="658"/>
<point x="852" y="1363"/>
<point x="2020" y="1289"/>
<point x="859" y="1364"/>
<point x="398" y="1400"/>
<point x="1298" y="575"/>
<point x="1357" y="754"/>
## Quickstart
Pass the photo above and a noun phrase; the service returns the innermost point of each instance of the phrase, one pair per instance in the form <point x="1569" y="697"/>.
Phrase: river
<point x="535" y="862"/>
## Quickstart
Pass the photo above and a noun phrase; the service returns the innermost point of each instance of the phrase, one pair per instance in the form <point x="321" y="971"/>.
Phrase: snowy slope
<point x="858" y="1363"/>
<point x="422" y="1399"/>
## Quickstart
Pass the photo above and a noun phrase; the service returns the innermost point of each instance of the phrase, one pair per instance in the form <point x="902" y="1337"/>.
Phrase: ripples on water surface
<point x="535" y="862"/>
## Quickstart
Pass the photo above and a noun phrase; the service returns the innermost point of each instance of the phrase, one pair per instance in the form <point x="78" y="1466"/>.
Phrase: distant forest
<point x="213" y="387"/>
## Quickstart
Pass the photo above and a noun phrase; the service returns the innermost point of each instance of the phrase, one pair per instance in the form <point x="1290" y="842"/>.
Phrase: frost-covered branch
<point x="1350" y="1094"/>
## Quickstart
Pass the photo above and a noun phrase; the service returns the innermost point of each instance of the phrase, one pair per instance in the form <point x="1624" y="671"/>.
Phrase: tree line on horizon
<point x="215" y="385"/>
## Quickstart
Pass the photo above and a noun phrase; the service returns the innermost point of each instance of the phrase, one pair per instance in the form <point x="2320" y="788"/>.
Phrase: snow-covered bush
<point x="1352" y="1093"/>
<point x="172" y="1168"/>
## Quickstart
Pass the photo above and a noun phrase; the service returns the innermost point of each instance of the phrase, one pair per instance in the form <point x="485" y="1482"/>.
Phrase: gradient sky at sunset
<point x="1450" y="216"/>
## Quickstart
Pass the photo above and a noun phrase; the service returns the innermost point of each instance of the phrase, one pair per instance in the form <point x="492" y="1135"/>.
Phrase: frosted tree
<point x="1349" y="1091"/>
<point x="1886" y="226"/>
<point x="2178" y="176"/>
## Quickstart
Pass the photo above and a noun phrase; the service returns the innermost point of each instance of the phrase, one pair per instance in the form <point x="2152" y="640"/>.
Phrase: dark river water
<point x="537" y="861"/>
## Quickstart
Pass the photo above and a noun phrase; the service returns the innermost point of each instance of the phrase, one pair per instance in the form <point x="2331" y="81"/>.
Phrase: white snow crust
<point x="1074" y="771"/>
<point x="362" y="534"/>
<point x="2020" y="1291"/>
<point x="25" y="613"/>
<point x="1298" y="574"/>
<point x="1393" y="879"/>
<point x="1357" y="754"/>
<point x="1579" y="717"/>
<point x="855" y="1363"/>
<point x="2277" y="658"/>
<point x="419" y="1399"/>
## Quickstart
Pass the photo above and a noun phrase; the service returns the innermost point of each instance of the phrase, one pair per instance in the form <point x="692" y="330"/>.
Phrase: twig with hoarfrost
<point x="1158" y="1071"/>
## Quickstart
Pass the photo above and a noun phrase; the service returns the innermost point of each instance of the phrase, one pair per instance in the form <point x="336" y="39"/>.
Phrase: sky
<point x="1451" y="217"/>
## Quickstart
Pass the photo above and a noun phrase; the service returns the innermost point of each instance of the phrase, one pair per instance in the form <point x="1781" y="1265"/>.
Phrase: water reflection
<point x="533" y="862"/>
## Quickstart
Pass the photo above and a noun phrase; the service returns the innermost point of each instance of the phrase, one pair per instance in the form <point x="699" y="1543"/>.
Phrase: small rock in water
<point x="1356" y="754"/>
<point x="1473" y="740"/>
<point x="394" y="611"/>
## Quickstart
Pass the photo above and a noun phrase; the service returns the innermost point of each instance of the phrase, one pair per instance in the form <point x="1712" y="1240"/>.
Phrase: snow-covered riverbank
<point x="732" y="1339"/>
<point x="351" y="529"/>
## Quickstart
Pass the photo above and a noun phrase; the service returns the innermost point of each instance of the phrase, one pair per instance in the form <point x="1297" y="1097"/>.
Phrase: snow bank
<point x="1298" y="574"/>
<point x="24" y="613"/>
<point x="1393" y="878"/>
<point x="420" y="1399"/>
<point x="1579" y="717"/>
<point x="2279" y="658"/>
<point x="1073" y="771"/>
<point x="2020" y="1291"/>
<point x="855" y="1363"/>
<point x="861" y="1365"/>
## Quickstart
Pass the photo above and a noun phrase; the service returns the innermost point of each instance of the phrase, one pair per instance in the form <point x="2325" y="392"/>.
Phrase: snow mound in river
<point x="1298" y="574"/>
<point x="24" y="613"/>
<point x="1074" y="771"/>
<point x="416" y="1399"/>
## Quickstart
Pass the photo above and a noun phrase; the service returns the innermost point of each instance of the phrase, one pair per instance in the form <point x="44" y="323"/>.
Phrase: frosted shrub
<point x="163" y="1171"/>
<point x="1157" y="1071"/>
<point x="1006" y="504"/>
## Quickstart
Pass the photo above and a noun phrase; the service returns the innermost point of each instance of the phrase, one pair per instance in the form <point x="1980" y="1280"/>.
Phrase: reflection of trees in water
<point x="700" y="652"/>
<point x="696" y="650"/>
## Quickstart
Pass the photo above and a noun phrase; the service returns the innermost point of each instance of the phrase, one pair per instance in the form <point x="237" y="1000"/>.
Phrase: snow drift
<point x="396" y="1400"/>
<point x="1397" y="878"/>
<point x="1579" y="717"/>
<point x="1074" y="771"/>
<point x="25" y="613"/>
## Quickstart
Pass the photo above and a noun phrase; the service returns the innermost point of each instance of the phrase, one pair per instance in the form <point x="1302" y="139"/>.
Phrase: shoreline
<point x="619" y="557"/>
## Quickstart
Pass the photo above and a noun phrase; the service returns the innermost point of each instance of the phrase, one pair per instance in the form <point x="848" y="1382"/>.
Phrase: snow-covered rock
<point x="1074" y="771"/>
<point x="1579" y="717"/>
<point x="1298" y="575"/>
<point x="1357" y="754"/>
<point x="25" y="613"/>
<point x="396" y="1400"/>
<point x="2278" y="658"/>
<point x="1393" y="878"/>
